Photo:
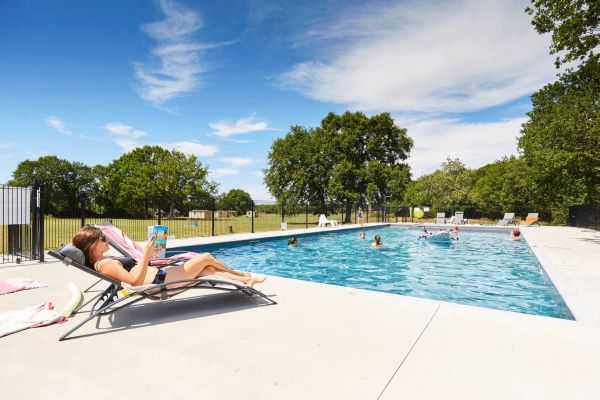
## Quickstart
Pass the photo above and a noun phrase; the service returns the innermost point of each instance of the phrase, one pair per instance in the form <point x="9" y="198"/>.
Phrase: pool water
<point x="481" y="268"/>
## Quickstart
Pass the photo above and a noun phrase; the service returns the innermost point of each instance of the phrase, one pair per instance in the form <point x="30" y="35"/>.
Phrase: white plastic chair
<point x="323" y="221"/>
<point x="441" y="218"/>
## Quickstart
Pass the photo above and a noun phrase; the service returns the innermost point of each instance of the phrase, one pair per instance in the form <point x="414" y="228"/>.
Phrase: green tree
<point x="237" y="200"/>
<point x="561" y="141"/>
<point x="574" y="25"/>
<point x="448" y="187"/>
<point x="504" y="186"/>
<point x="152" y="175"/>
<point x="65" y="182"/>
<point x="348" y="158"/>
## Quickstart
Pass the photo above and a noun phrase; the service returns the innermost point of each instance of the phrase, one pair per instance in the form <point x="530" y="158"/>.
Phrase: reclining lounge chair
<point x="440" y="218"/>
<point x="509" y="218"/>
<point x="323" y="221"/>
<point x="113" y="298"/>
<point x="531" y="219"/>
<point x="458" y="218"/>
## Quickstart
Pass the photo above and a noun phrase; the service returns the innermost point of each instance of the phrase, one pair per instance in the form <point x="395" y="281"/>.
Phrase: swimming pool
<point x="481" y="269"/>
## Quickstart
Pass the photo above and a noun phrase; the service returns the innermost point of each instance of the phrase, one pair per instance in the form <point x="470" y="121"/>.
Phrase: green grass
<point x="60" y="230"/>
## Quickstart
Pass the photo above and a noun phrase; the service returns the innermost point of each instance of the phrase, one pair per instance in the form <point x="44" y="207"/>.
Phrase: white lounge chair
<point x="323" y="221"/>
<point x="509" y="218"/>
<point x="458" y="218"/>
<point x="441" y="218"/>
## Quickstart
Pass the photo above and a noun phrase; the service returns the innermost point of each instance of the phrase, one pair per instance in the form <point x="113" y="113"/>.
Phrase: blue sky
<point x="90" y="80"/>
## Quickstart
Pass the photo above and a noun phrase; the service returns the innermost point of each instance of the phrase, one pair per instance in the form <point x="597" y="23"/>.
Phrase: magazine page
<point x="159" y="232"/>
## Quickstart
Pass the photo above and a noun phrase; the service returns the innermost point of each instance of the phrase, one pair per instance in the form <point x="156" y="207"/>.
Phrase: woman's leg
<point x="203" y="266"/>
<point x="219" y="265"/>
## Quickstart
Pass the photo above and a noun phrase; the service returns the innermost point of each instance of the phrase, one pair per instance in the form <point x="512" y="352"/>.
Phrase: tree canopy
<point x="574" y="25"/>
<point x="561" y="141"/>
<point x="349" y="158"/>
<point x="236" y="200"/>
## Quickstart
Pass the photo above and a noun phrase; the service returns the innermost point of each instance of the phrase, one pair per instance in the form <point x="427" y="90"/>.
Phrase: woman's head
<point x="90" y="240"/>
<point x="516" y="233"/>
<point x="377" y="239"/>
<point x="292" y="241"/>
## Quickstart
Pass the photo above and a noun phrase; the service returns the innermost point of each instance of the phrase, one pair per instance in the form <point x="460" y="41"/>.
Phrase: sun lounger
<point x="531" y="219"/>
<point x="113" y="298"/>
<point x="458" y="218"/>
<point x="509" y="218"/>
<point x="323" y="221"/>
<point x="440" y="218"/>
<point x="127" y="247"/>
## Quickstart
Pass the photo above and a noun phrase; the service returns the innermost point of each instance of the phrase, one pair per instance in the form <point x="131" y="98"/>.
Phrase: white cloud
<point x="6" y="145"/>
<point x="237" y="161"/>
<point x="175" y="63"/>
<point x="475" y="144"/>
<point x="225" y="129"/>
<point x="124" y="130"/>
<point x="58" y="124"/>
<point x="456" y="56"/>
<point x="194" y="148"/>
<point x="227" y="171"/>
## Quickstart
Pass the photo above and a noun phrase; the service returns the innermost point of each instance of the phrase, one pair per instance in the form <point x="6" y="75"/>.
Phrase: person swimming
<point x="292" y="242"/>
<point x="425" y="233"/>
<point x="515" y="235"/>
<point x="362" y="235"/>
<point x="377" y="242"/>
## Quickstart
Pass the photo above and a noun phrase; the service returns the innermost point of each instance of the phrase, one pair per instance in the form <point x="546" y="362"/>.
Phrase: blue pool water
<point x="482" y="268"/>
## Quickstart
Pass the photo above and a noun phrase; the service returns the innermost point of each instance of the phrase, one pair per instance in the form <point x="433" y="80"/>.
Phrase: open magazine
<point x="159" y="232"/>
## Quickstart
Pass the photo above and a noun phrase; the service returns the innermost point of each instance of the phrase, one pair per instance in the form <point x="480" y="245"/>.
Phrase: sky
<point x="90" y="80"/>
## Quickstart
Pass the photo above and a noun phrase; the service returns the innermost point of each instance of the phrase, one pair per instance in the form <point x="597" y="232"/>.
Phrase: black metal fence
<point x="21" y="224"/>
<point x="26" y="230"/>
<point x="585" y="216"/>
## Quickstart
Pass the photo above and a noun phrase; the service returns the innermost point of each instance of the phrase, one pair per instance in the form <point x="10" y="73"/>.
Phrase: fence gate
<point x="21" y="224"/>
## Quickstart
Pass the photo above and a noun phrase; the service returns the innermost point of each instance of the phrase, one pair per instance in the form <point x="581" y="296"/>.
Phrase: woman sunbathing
<point x="92" y="242"/>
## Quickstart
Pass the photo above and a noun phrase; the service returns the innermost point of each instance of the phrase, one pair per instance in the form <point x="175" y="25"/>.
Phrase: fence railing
<point x="201" y="217"/>
<point x="585" y="216"/>
<point x="21" y="224"/>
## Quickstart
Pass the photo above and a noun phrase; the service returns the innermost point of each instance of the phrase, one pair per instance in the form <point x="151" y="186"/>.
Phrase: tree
<point x="65" y="183"/>
<point x="151" y="174"/>
<point x="504" y="186"/>
<point x="448" y="187"/>
<point x="561" y="141"/>
<point x="238" y="200"/>
<point x="574" y="25"/>
<point x="346" y="159"/>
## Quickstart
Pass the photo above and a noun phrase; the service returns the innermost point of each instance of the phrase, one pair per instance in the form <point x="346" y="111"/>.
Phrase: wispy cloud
<point x="226" y="129"/>
<point x="6" y="145"/>
<point x="237" y="161"/>
<point x="58" y="124"/>
<point x="175" y="63"/>
<point x="128" y="138"/>
<point x="192" y="147"/>
<point x="219" y="172"/>
<point x="476" y="144"/>
<point x="456" y="56"/>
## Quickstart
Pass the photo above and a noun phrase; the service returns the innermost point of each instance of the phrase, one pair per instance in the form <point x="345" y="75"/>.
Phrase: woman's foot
<point x="254" y="280"/>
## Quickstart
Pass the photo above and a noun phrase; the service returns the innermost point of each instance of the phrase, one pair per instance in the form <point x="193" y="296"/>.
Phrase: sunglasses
<point x="103" y="238"/>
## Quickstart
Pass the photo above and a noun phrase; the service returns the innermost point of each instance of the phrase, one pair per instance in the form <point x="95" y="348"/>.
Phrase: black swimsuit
<point x="128" y="263"/>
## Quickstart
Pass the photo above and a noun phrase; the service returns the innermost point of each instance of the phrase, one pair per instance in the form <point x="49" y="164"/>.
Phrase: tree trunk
<point x="171" y="209"/>
<point x="348" y="219"/>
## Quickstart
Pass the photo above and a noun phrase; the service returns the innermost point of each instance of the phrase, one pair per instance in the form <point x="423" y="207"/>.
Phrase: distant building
<point x="225" y="214"/>
<point x="200" y="214"/>
<point x="249" y="213"/>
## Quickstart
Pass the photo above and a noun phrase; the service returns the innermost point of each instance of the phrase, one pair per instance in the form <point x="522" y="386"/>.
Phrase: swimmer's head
<point x="516" y="233"/>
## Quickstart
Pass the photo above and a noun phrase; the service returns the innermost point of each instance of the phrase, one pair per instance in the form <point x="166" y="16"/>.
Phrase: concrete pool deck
<point x="319" y="342"/>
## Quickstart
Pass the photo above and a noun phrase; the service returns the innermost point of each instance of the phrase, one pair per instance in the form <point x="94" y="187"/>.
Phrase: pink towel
<point x="14" y="285"/>
<point x="12" y="321"/>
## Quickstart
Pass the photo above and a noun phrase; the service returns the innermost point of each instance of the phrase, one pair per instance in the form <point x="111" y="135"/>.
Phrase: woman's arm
<point x="136" y="276"/>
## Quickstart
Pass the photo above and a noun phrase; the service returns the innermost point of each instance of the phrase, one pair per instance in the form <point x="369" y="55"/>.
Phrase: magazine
<point x="159" y="232"/>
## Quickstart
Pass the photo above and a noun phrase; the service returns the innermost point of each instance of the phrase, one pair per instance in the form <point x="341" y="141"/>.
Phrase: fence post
<point x="212" y="215"/>
<point x="41" y="224"/>
<point x="159" y="213"/>
<point x="82" y="205"/>
<point x="34" y="221"/>
<point x="282" y="212"/>
<point x="252" y="213"/>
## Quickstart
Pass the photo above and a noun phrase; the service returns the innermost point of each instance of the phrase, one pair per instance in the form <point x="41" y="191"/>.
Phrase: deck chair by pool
<point x="509" y="218"/>
<point x="531" y="219"/>
<point x="127" y="247"/>
<point x="323" y="221"/>
<point x="440" y="218"/>
<point x="119" y="295"/>
<point x="458" y="218"/>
